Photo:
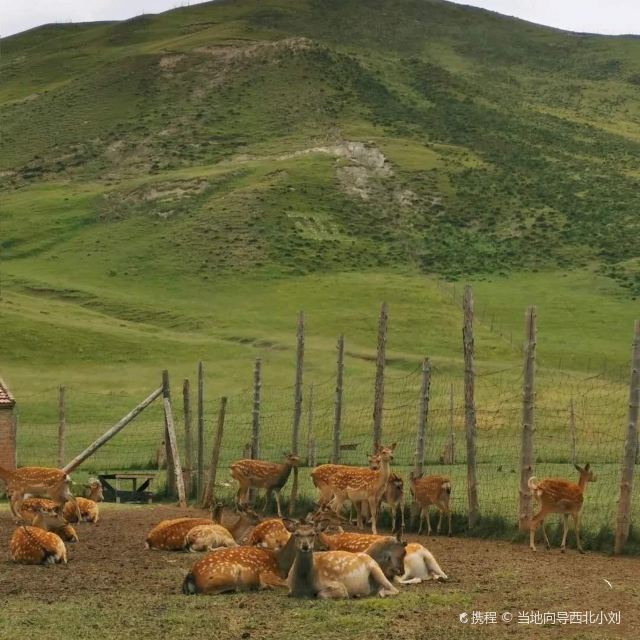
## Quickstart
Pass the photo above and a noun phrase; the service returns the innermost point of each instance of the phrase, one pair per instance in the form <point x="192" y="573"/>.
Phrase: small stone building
<point x="7" y="428"/>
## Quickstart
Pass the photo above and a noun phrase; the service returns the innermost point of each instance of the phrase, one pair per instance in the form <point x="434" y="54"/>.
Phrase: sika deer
<point x="31" y="508"/>
<point x="240" y="569"/>
<point x="336" y="574"/>
<point x="35" y="544"/>
<point x="89" y="511"/>
<point x="237" y="523"/>
<point x="93" y="490"/>
<point x="36" y="481"/>
<point x="169" y="535"/>
<point x="207" y="537"/>
<point x="559" y="496"/>
<point x="431" y="490"/>
<point x="270" y="534"/>
<point x="263" y="475"/>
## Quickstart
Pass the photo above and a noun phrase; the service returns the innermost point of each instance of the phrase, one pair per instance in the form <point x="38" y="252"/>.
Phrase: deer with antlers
<point x="431" y="490"/>
<point x="263" y="475"/>
<point x="363" y="485"/>
<point x="341" y="574"/>
<point x="38" y="482"/>
<point x="238" y="523"/>
<point x="36" y="544"/>
<point x="555" y="495"/>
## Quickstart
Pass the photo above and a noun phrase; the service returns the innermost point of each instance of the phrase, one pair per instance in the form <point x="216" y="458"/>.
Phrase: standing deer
<point x="263" y="475"/>
<point x="338" y="574"/>
<point x="36" y="544"/>
<point x="358" y="485"/>
<point x="559" y="496"/>
<point x="36" y="481"/>
<point x="241" y="569"/>
<point x="431" y="490"/>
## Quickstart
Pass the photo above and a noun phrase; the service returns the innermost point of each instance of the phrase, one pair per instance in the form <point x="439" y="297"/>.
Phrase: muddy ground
<point x="114" y="588"/>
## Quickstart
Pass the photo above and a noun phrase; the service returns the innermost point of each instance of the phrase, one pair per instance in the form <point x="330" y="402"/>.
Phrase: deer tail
<point x="189" y="585"/>
<point x="533" y="483"/>
<point x="446" y="485"/>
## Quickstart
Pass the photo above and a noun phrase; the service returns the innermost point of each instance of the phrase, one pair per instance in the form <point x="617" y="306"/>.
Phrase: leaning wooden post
<point x="208" y="499"/>
<point x="166" y="394"/>
<point x="631" y="442"/>
<point x="528" y="420"/>
<point x="470" y="407"/>
<point x="297" y="408"/>
<point x="200" y="418"/>
<point x="572" y="429"/>
<point x="423" y="411"/>
<point x="188" y="443"/>
<point x="337" y="403"/>
<point x="378" y="402"/>
<point x="255" y="414"/>
<point x="61" y="426"/>
<point x="173" y="442"/>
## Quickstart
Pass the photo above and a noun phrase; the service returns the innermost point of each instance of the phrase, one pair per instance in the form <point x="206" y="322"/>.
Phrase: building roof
<point x="6" y="399"/>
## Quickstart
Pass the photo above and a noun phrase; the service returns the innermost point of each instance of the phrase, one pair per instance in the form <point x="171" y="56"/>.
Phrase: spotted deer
<point x="263" y="475"/>
<point x="34" y="544"/>
<point x="207" y="537"/>
<point x="93" y="490"/>
<point x="337" y="574"/>
<point x="169" y="535"/>
<point x="238" y="523"/>
<point x="38" y="482"/>
<point x="559" y="496"/>
<point x="29" y="513"/>
<point x="270" y="534"/>
<point x="358" y="485"/>
<point x="89" y="511"/>
<point x="393" y="496"/>
<point x="431" y="490"/>
<point x="240" y="569"/>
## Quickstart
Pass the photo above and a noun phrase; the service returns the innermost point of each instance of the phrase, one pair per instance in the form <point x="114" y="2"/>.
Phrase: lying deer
<point x="89" y="511"/>
<point x="359" y="485"/>
<point x="559" y="496"/>
<point x="169" y="535"/>
<point x="29" y="513"/>
<point x="270" y="534"/>
<point x="35" y="544"/>
<point x="336" y="574"/>
<point x="93" y="490"/>
<point x="238" y="523"/>
<point x="240" y="569"/>
<point x="207" y="537"/>
<point x="38" y="482"/>
<point x="431" y="490"/>
<point x="263" y="475"/>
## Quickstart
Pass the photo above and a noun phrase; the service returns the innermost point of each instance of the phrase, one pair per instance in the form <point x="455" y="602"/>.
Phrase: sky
<point x="595" y="16"/>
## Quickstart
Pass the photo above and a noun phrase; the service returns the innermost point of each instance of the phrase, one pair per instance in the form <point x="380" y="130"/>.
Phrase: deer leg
<point x="269" y="580"/>
<point x="267" y="499"/>
<point x="421" y="516"/>
<point x="449" y="515"/>
<point x="16" y="504"/>
<point x="533" y="525"/>
<point x="373" y="508"/>
<point x="402" y="515"/>
<point x="393" y="516"/>
<point x="428" y="521"/>
<point x="576" y="523"/>
<point x="333" y="591"/>
<point x="546" y="537"/>
<point x="439" y="521"/>
<point x="278" y="503"/>
<point x="565" y="529"/>
<point x="377" y="577"/>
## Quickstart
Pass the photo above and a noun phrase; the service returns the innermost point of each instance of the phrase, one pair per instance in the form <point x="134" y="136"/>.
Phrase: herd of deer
<point x="246" y="551"/>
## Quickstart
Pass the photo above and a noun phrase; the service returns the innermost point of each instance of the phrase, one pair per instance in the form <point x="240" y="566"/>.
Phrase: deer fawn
<point x="169" y="535"/>
<point x="337" y="574"/>
<point x="89" y="511"/>
<point x="270" y="534"/>
<point x="207" y="537"/>
<point x="238" y="523"/>
<point x="240" y="569"/>
<point x="263" y="475"/>
<point x="36" y="481"/>
<point x="93" y="490"/>
<point x="31" y="508"/>
<point x="359" y="485"/>
<point x="35" y="544"/>
<point x="431" y="490"/>
<point x="559" y="496"/>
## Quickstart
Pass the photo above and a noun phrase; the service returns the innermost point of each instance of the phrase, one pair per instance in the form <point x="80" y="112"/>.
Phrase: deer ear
<point x="587" y="466"/>
<point x="290" y="525"/>
<point x="393" y="446"/>
<point x="577" y="467"/>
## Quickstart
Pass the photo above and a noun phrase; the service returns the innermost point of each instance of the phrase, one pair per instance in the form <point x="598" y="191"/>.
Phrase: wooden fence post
<point x="423" y="412"/>
<point x="623" y="521"/>
<point x="528" y="420"/>
<point x="175" y="454"/>
<point x="200" y="426"/>
<point x="378" y="402"/>
<point x="255" y="414"/>
<point x="61" y="426"/>
<point x="310" y="438"/>
<point x="337" y="405"/>
<point x="166" y="393"/>
<point x="572" y="429"/>
<point x="451" y="457"/>
<point x="470" y="407"/>
<point x="208" y="499"/>
<point x="188" y="443"/>
<point x="297" y="408"/>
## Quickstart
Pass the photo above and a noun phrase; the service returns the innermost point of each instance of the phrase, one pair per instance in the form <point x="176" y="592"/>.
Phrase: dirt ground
<point x="114" y="588"/>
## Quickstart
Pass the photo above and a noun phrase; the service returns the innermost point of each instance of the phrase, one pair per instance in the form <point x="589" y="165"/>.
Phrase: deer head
<point x="586" y="475"/>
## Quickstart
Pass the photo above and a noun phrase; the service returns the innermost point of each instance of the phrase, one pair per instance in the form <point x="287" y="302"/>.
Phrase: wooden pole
<point x="310" y="439"/>
<point x="337" y="404"/>
<point x="378" y="402"/>
<point x="166" y="394"/>
<point x="255" y="422"/>
<point x="200" y="418"/>
<point x="528" y="420"/>
<point x="297" y="408"/>
<point x="188" y="443"/>
<point x="470" y="407"/>
<point x="452" y="456"/>
<point x="175" y="454"/>
<point x="105" y="437"/>
<point x="215" y="456"/>
<point x="61" y="425"/>
<point x="423" y="411"/>
<point x="572" y="429"/>
<point x="623" y="521"/>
